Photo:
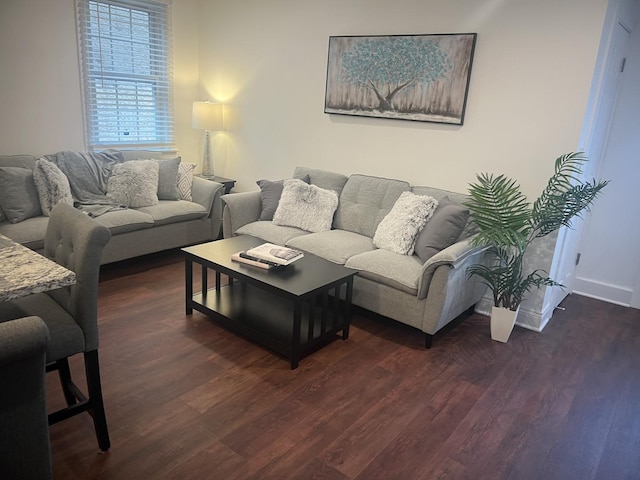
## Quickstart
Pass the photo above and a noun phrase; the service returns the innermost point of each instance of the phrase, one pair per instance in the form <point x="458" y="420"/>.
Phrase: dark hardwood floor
<point x="186" y="399"/>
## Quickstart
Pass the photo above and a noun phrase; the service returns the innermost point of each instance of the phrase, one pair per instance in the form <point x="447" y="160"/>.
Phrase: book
<point x="256" y="259"/>
<point x="275" y="253"/>
<point x="247" y="261"/>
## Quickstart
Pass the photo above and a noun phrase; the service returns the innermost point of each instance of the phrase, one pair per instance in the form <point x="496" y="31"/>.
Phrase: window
<point x="125" y="52"/>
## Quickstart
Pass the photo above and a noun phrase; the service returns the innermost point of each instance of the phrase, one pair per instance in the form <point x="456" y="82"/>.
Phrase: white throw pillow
<point x="134" y="183"/>
<point x="52" y="185"/>
<point x="398" y="230"/>
<point x="308" y="207"/>
<point x="185" y="180"/>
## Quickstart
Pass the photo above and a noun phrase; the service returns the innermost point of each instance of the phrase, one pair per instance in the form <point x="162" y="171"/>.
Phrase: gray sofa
<point x="425" y="295"/>
<point x="136" y="231"/>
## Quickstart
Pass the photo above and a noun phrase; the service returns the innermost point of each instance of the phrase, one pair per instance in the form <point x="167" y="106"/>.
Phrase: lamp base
<point x="207" y="159"/>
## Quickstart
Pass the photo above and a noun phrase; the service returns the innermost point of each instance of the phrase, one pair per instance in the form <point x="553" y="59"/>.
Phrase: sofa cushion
<point x="270" y="193"/>
<point x="335" y="245"/>
<point x="389" y="268"/>
<point x="185" y="180"/>
<point x="29" y="232"/>
<point x="308" y="207"/>
<point x="442" y="229"/>
<point x="365" y="201"/>
<point x="134" y="183"/>
<point x="398" y="230"/>
<point x="321" y="178"/>
<point x="126" y="220"/>
<point x="270" y="232"/>
<point x="173" y="211"/>
<point x="52" y="185"/>
<point x="18" y="194"/>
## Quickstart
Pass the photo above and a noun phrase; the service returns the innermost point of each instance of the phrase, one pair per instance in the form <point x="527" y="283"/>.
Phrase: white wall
<point x="40" y="97"/>
<point x="528" y="92"/>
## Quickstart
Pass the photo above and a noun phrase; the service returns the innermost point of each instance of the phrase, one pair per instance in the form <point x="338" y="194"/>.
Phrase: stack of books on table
<point x="268" y="255"/>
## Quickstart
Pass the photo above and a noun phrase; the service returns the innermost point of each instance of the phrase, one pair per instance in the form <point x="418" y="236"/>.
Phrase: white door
<point x="594" y="137"/>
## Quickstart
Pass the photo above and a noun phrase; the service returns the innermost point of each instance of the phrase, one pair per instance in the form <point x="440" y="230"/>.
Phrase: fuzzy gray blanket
<point x="88" y="173"/>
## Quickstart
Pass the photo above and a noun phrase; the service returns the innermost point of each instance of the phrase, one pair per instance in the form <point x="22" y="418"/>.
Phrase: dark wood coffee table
<point x="293" y="310"/>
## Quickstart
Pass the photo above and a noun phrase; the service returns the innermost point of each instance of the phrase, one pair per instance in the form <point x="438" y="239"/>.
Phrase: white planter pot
<point x="502" y="322"/>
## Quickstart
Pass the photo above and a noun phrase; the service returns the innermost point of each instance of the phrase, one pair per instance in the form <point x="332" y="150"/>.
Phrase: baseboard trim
<point x="603" y="291"/>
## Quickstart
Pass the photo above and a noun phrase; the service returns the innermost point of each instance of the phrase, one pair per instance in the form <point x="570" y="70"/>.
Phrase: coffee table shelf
<point x="293" y="311"/>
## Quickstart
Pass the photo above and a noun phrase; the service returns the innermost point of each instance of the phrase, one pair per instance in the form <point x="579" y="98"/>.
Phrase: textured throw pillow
<point x="185" y="180"/>
<point x="168" y="179"/>
<point x="398" y="230"/>
<point x="442" y="230"/>
<point x="52" y="185"/>
<point x="308" y="207"/>
<point x="134" y="183"/>
<point x="270" y="193"/>
<point x="18" y="194"/>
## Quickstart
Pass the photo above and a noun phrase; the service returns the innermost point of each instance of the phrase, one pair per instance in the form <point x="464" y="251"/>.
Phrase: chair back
<point x="75" y="241"/>
<point x="24" y="431"/>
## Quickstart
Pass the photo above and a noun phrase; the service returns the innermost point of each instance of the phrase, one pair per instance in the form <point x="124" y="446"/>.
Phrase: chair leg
<point x="92" y="369"/>
<point x="65" y="380"/>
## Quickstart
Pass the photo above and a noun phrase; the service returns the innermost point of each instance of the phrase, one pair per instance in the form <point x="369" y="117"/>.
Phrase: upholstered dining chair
<point x="24" y="434"/>
<point x="75" y="241"/>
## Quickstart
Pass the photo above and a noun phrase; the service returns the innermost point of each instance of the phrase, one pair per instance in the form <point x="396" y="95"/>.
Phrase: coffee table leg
<point x="347" y="309"/>
<point x="295" y="341"/>
<point x="188" y="283"/>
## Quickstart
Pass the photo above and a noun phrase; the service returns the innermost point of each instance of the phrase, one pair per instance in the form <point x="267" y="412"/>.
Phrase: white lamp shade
<point x="207" y="116"/>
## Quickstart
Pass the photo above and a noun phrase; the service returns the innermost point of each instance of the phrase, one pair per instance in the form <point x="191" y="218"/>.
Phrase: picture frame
<point x="421" y="77"/>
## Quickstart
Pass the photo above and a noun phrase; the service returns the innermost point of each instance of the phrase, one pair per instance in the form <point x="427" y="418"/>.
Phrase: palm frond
<point x="500" y="210"/>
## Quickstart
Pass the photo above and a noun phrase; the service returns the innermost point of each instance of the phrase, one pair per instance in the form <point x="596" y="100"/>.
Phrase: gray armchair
<point x="24" y="434"/>
<point x="75" y="241"/>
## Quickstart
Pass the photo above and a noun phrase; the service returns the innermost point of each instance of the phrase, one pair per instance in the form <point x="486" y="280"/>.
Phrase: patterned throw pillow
<point x="52" y="185"/>
<point x="185" y="180"/>
<point x="398" y="230"/>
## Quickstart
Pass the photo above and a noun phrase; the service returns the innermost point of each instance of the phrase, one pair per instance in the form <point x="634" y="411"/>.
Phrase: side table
<point x="227" y="182"/>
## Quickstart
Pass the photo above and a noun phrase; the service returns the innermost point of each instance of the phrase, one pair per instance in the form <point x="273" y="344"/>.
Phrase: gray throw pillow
<point x="134" y="183"/>
<point x="3" y="217"/>
<point x="270" y="193"/>
<point x="442" y="230"/>
<point x="18" y="194"/>
<point x="52" y="185"/>
<point x="168" y="179"/>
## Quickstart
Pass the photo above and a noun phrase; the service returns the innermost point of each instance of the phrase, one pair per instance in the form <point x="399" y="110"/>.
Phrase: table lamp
<point x="207" y="116"/>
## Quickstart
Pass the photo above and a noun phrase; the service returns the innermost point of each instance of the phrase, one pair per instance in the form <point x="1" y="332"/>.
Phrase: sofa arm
<point x="239" y="209"/>
<point x="459" y="255"/>
<point x="208" y="193"/>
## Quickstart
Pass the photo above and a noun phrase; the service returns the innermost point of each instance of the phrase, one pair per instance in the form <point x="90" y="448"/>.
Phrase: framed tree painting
<point x="410" y="77"/>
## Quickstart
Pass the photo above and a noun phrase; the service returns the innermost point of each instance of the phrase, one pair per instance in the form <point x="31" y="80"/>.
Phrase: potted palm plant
<point x="508" y="224"/>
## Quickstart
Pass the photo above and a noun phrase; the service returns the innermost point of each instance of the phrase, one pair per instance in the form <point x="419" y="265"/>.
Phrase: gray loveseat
<point x="426" y="295"/>
<point x="135" y="231"/>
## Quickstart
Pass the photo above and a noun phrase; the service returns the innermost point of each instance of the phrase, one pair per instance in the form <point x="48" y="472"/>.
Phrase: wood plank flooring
<point x="186" y="399"/>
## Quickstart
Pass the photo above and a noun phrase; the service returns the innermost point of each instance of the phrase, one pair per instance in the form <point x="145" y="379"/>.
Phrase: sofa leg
<point x="428" y="339"/>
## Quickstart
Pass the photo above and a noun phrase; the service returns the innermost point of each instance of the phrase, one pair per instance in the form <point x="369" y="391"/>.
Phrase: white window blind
<point x="125" y="52"/>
